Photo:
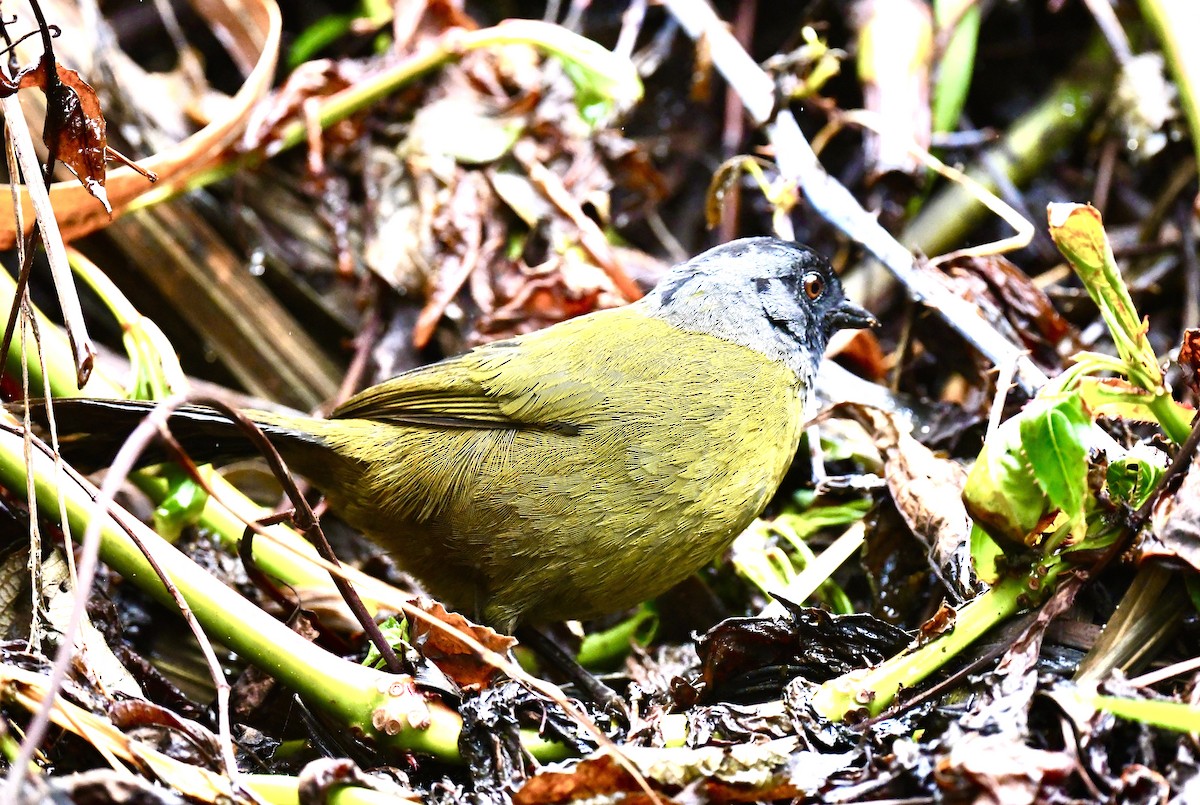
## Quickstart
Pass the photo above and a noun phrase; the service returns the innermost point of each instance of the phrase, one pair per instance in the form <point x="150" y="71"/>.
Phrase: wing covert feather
<point x="532" y="381"/>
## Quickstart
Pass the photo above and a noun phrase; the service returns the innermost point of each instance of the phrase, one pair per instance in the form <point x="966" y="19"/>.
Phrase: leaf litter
<point x="497" y="191"/>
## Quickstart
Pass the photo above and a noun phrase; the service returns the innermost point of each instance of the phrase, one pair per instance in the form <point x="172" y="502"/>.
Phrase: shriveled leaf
<point x="27" y="690"/>
<point x="1024" y="305"/>
<point x="743" y="772"/>
<point x="724" y="178"/>
<point x="76" y="125"/>
<point x="456" y="660"/>
<point x="1004" y="769"/>
<point x="308" y="82"/>
<point x="459" y="225"/>
<point x="1175" y="525"/>
<point x="927" y="491"/>
<point x="1189" y="357"/>
<point x="14" y="593"/>
<point x="741" y="657"/>
<point x="254" y="42"/>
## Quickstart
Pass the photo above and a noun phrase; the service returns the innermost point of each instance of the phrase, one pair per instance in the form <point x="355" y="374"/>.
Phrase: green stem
<point x="1030" y="142"/>
<point x="1174" y="23"/>
<point x="953" y="75"/>
<point x="1173" y="419"/>
<point x="278" y="562"/>
<point x="347" y="691"/>
<point x="552" y="39"/>
<point x="874" y="689"/>
<point x="603" y="649"/>
<point x="279" y="790"/>
<point x="351" y="693"/>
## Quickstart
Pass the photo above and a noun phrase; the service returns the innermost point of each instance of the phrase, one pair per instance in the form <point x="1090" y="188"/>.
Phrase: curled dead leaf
<point x="75" y="130"/>
<point x="253" y="38"/>
<point x="456" y="660"/>
<point x="927" y="491"/>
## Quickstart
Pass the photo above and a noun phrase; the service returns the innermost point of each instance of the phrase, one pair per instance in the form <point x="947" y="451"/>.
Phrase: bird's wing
<point x="542" y="380"/>
<point x="442" y="394"/>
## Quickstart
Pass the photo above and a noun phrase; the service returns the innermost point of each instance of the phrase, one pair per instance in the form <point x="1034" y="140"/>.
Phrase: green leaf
<point x="604" y="81"/>
<point x="1002" y="493"/>
<point x="1034" y="465"/>
<point x="318" y="36"/>
<point x="395" y="631"/>
<point x="182" y="505"/>
<point x="953" y="78"/>
<point x="1134" y="476"/>
<point x="1054" y="437"/>
<point x="609" y="648"/>
<point x="985" y="555"/>
<point x="805" y="523"/>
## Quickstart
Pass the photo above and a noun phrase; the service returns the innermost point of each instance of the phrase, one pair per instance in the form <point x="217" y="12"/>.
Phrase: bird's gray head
<point x="776" y="297"/>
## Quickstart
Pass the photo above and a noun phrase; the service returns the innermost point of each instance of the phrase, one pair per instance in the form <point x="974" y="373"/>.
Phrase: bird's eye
<point x="814" y="285"/>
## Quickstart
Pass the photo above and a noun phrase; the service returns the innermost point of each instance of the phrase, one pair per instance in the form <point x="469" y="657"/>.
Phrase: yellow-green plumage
<point x="614" y="499"/>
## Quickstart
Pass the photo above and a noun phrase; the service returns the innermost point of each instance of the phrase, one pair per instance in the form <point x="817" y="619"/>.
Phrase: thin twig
<point x="304" y="517"/>
<point x="123" y="464"/>
<point x="631" y="26"/>
<point x="68" y="299"/>
<point x="831" y="199"/>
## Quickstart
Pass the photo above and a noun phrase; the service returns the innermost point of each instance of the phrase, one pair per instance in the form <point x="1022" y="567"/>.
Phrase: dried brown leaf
<point x="1189" y="358"/>
<point x="1002" y="769"/>
<point x="456" y="660"/>
<point x="1175" y="525"/>
<point x="74" y="118"/>
<point x="1006" y="294"/>
<point x="927" y="491"/>
<point x="251" y="29"/>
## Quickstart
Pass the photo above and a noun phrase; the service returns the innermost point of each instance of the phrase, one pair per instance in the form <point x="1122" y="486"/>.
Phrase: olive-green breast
<point x="570" y="472"/>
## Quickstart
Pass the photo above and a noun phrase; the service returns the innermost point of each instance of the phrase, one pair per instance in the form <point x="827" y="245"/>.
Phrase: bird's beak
<point x="849" y="316"/>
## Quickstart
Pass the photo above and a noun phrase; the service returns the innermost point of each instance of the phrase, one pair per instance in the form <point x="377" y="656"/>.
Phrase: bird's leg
<point x="592" y="688"/>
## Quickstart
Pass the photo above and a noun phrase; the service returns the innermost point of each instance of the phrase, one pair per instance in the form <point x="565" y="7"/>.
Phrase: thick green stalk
<point x="349" y="692"/>
<point x="353" y="694"/>
<point x="1031" y="141"/>
<point x="228" y="526"/>
<point x="874" y="689"/>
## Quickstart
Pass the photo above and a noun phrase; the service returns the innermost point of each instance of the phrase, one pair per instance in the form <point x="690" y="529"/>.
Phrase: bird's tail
<point x="90" y="431"/>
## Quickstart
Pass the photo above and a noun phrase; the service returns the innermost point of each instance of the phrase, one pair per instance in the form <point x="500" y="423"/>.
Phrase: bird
<point x="570" y="472"/>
